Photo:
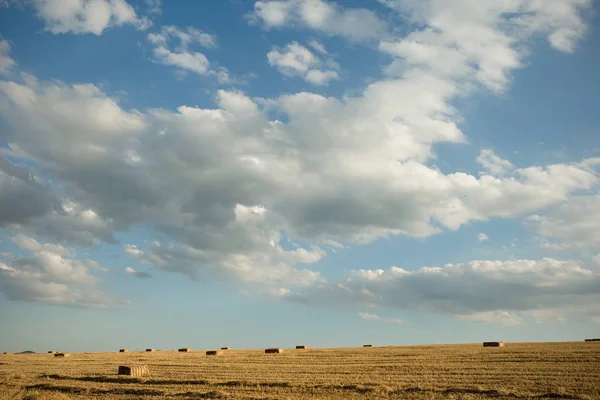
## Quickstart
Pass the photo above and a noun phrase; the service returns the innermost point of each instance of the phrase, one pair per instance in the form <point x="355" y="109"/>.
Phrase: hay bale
<point x="61" y="354"/>
<point x="7" y="353"/>
<point x="273" y="351"/>
<point x="593" y="340"/>
<point x="123" y="351"/>
<point x="493" y="344"/>
<point x="150" y="350"/>
<point x="367" y="345"/>
<point x="135" y="371"/>
<point x="214" y="352"/>
<point x="184" y="350"/>
<point x="301" y="347"/>
<point x="51" y="351"/>
<point x="224" y="348"/>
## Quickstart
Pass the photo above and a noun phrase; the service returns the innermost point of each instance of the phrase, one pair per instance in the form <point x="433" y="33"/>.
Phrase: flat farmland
<point x="519" y="370"/>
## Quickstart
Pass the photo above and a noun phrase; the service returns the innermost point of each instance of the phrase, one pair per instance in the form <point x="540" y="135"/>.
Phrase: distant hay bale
<point x="184" y="350"/>
<point x="214" y="352"/>
<point x="123" y="351"/>
<point x="51" y="352"/>
<point x="493" y="344"/>
<point x="301" y="347"/>
<point x="224" y="348"/>
<point x="593" y="340"/>
<point x="273" y="351"/>
<point x="7" y="353"/>
<point x="150" y="350"/>
<point x="135" y="371"/>
<point x="61" y="354"/>
<point x="367" y="345"/>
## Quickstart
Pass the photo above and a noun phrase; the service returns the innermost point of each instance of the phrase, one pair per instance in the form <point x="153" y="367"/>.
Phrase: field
<point x="520" y="370"/>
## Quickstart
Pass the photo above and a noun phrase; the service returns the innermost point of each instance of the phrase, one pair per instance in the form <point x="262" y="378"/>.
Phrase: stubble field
<point x="519" y="370"/>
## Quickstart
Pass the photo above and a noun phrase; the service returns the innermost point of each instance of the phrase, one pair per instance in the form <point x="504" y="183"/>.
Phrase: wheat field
<point x="519" y="370"/>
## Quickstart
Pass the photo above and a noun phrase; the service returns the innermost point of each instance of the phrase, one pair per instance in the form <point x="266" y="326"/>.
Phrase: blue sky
<point x="268" y="173"/>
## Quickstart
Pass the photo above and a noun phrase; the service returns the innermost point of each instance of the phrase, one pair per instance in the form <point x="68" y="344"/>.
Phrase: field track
<point x="519" y="370"/>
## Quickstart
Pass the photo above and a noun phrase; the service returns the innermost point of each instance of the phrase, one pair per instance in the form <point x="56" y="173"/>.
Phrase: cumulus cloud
<point x="570" y="225"/>
<point x="297" y="60"/>
<point x="50" y="274"/>
<point x="6" y="62"/>
<point x="221" y="186"/>
<point x="480" y="43"/>
<point x="221" y="196"/>
<point x="137" y="274"/>
<point x="172" y="47"/>
<point x="87" y="16"/>
<point x="499" y="292"/>
<point x="375" y="317"/>
<point x="494" y="164"/>
<point x="328" y="17"/>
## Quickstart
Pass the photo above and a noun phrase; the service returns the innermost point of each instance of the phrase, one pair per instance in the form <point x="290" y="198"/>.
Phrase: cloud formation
<point x="297" y="60"/>
<point x="498" y="292"/>
<point x="375" y="317"/>
<point x="87" y="16"/>
<point x="50" y="274"/>
<point x="137" y="274"/>
<point x="356" y="24"/>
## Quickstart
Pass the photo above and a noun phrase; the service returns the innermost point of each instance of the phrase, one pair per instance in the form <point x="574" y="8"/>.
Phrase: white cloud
<point x="574" y="224"/>
<point x="318" y="46"/>
<point x="204" y="201"/>
<point x="494" y="164"/>
<point x="369" y="317"/>
<point x="87" y="16"/>
<point x="375" y="317"/>
<point x="324" y="16"/>
<point x="495" y="317"/>
<point x="297" y="60"/>
<point x="6" y="62"/>
<point x="154" y="6"/>
<point x="220" y="184"/>
<point x="50" y="274"/>
<point x="179" y="55"/>
<point x="482" y="42"/>
<point x="502" y="292"/>
<point x="482" y="237"/>
<point x="137" y="274"/>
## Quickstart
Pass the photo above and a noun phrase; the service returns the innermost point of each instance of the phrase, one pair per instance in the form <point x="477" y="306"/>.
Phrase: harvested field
<point x="470" y="372"/>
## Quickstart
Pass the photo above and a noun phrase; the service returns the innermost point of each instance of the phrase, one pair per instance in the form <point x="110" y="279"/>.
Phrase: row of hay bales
<point x="219" y="352"/>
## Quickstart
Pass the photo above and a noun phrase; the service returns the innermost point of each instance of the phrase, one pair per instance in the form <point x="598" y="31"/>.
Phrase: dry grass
<point x="470" y="372"/>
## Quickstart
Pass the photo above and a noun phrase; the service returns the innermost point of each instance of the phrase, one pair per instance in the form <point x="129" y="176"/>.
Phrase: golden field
<point x="519" y="370"/>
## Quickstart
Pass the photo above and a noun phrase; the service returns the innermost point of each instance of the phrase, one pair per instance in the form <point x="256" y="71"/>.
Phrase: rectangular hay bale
<point x="51" y="352"/>
<point x="273" y="351"/>
<point x="224" y="348"/>
<point x="150" y="350"/>
<point x="367" y="345"/>
<point x="184" y="350"/>
<point x="61" y="354"/>
<point x="493" y="344"/>
<point x="123" y="351"/>
<point x="593" y="340"/>
<point x="301" y="347"/>
<point x="135" y="371"/>
<point x="213" y="352"/>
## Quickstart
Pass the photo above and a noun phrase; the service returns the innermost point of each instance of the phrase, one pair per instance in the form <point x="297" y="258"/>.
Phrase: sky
<point x="271" y="173"/>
